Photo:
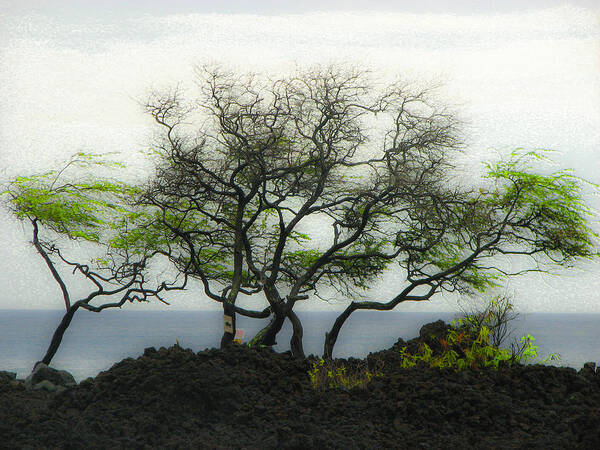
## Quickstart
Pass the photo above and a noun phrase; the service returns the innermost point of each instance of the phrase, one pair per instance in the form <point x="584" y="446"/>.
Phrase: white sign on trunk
<point x="228" y="324"/>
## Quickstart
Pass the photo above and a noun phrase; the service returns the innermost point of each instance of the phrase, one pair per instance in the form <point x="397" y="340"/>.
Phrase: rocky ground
<point x="249" y="398"/>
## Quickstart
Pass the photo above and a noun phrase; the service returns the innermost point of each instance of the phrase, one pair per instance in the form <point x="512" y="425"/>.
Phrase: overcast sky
<point x="70" y="74"/>
<point x="121" y="8"/>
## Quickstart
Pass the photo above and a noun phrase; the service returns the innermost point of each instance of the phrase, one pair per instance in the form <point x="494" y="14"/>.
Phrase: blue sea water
<point x="94" y="342"/>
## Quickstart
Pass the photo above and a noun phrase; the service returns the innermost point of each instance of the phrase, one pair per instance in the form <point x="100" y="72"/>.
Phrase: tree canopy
<point x="520" y="214"/>
<point x="310" y="185"/>
<point x="322" y="180"/>
<point x="94" y="210"/>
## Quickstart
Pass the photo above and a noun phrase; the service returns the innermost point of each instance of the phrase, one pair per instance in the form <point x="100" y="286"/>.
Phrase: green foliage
<point x="253" y="344"/>
<point x="332" y="375"/>
<point x="303" y="258"/>
<point x="144" y="230"/>
<point x="528" y="352"/>
<point x="496" y="315"/>
<point x="458" y="353"/>
<point x="447" y="254"/>
<point x="467" y="348"/>
<point x="524" y="213"/>
<point x="80" y="210"/>
<point x="361" y="262"/>
<point x="108" y="212"/>
<point x="549" y="206"/>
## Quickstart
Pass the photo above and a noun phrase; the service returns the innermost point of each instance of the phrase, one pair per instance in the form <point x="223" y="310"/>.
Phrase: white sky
<point x="70" y="74"/>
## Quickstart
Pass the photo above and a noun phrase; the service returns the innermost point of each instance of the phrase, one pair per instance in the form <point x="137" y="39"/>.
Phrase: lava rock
<point x="250" y="398"/>
<point x="7" y="376"/>
<point x="431" y="333"/>
<point x="42" y="372"/>
<point x="589" y="369"/>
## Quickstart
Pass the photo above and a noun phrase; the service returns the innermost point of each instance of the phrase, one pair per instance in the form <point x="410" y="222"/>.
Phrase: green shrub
<point x="333" y="375"/>
<point x="466" y="347"/>
<point x="496" y="315"/>
<point x="460" y="351"/>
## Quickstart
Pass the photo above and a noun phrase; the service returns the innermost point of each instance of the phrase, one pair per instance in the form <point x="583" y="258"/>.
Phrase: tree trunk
<point x="228" y="336"/>
<point x="331" y="337"/>
<point x="296" y="340"/>
<point x="267" y="335"/>
<point x="58" y="335"/>
<point x="279" y="309"/>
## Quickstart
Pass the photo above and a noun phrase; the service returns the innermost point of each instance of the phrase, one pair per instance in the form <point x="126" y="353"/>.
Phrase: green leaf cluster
<point x="361" y="263"/>
<point x="332" y="375"/>
<point x="465" y="348"/>
<point x="448" y="254"/>
<point x="80" y="210"/>
<point x="303" y="258"/>
<point x="550" y="206"/>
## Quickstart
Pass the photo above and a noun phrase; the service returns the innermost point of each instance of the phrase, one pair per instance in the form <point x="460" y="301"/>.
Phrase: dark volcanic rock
<point x="48" y="378"/>
<point x="589" y="369"/>
<point x="7" y="376"/>
<point x="431" y="333"/>
<point x="250" y="398"/>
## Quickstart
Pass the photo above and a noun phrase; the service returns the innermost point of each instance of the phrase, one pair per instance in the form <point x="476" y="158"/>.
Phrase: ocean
<point x="94" y="342"/>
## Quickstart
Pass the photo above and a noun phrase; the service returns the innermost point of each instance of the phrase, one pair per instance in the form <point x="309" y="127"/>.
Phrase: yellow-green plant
<point x="332" y="375"/>
<point x="458" y="353"/>
<point x="464" y="349"/>
<point x="528" y="352"/>
<point x="496" y="315"/>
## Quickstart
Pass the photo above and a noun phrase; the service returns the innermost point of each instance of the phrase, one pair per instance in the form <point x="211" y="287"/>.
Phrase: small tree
<point x="95" y="211"/>
<point x="522" y="214"/>
<point x="495" y="315"/>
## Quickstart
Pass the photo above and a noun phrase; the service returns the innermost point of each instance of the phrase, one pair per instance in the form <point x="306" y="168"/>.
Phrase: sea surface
<point x="94" y="342"/>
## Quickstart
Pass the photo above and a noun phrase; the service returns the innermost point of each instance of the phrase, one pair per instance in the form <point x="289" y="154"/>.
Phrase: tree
<point x="321" y="180"/>
<point x="96" y="211"/>
<point x="522" y="214"/>
<point x="241" y="192"/>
